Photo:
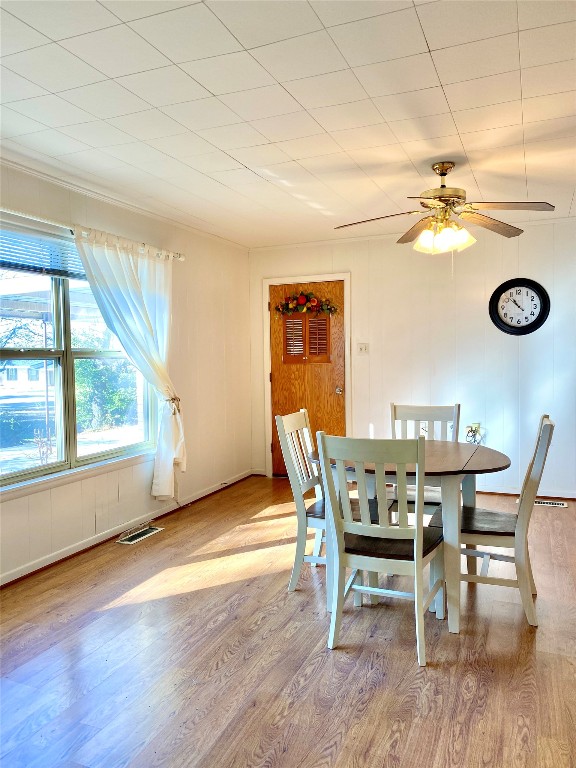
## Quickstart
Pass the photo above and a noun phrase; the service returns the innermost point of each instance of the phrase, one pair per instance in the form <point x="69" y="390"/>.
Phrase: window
<point x="68" y="394"/>
<point x="306" y="338"/>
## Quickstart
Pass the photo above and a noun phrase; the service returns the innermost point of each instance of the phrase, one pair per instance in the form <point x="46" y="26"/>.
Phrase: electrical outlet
<point x="362" y="348"/>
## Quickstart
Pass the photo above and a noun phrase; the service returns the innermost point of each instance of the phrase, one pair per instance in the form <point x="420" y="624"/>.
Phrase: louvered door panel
<point x="294" y="338"/>
<point x="319" y="339"/>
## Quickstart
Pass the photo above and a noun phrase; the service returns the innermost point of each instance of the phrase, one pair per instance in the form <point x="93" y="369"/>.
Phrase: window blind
<point x="23" y="246"/>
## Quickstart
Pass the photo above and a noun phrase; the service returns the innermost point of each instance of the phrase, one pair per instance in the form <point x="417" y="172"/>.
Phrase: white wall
<point x="209" y="365"/>
<point x="432" y="341"/>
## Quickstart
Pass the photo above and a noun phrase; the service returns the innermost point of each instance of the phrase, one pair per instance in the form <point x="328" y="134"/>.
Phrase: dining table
<point x="455" y="466"/>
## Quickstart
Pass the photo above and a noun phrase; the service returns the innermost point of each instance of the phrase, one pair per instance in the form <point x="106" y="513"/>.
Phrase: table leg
<point x="469" y="500"/>
<point x="451" y="516"/>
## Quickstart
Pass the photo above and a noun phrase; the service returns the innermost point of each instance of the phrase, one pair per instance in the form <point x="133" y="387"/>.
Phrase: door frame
<point x="287" y="279"/>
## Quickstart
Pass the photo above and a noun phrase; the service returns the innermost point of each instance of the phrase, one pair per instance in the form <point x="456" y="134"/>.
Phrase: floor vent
<point x="143" y="533"/>
<point x="549" y="503"/>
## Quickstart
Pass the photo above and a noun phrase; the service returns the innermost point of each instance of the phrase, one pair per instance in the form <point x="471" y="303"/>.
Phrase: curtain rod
<point x="173" y="255"/>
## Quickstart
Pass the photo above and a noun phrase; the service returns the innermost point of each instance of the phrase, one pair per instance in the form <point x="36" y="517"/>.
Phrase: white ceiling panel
<point x="259" y="103"/>
<point x="167" y="85"/>
<point x="305" y="56"/>
<point x="17" y="36"/>
<point x="256" y="23"/>
<point x="14" y="88"/>
<point x="188" y="33"/>
<point x="466" y="20"/>
<point x="115" y="51"/>
<point x="270" y="121"/>
<point x="106" y="99"/>
<point x="326" y="90"/>
<point x="64" y="18"/>
<point x="487" y="57"/>
<point x="391" y="36"/>
<point x="229" y="73"/>
<point x="410" y="73"/>
<point x="53" y="68"/>
<point x="404" y="106"/>
<point x="547" y="45"/>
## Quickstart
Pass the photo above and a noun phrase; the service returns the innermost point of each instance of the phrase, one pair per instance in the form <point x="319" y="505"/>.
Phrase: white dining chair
<point x="436" y="422"/>
<point x="497" y="530"/>
<point x="304" y="476"/>
<point x="361" y="537"/>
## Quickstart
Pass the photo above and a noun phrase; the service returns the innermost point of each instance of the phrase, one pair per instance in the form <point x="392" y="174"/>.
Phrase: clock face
<point x="519" y="306"/>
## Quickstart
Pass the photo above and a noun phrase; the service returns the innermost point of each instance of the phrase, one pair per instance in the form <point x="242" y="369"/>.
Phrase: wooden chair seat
<point x="316" y="509"/>
<point x="391" y="549"/>
<point x="477" y="520"/>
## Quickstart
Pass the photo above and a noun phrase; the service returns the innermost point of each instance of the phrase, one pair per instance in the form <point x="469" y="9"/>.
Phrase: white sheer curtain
<point x="132" y="287"/>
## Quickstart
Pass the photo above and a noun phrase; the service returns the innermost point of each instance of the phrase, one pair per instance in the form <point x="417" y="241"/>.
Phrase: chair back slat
<point x="437" y="422"/>
<point x="374" y="457"/>
<point x="534" y="474"/>
<point x="296" y="444"/>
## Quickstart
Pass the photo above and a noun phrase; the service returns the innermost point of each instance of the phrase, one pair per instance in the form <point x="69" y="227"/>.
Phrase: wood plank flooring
<point x="187" y="650"/>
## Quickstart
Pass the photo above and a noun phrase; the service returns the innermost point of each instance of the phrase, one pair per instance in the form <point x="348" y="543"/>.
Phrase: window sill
<point x="47" y="482"/>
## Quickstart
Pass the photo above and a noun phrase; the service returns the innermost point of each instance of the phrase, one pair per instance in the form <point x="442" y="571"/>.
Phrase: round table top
<point x="445" y="457"/>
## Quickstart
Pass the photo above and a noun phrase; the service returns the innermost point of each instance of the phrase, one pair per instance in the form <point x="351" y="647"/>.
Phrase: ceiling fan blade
<point x="522" y="206"/>
<point x="500" y="227"/>
<point x="414" y="231"/>
<point x="378" y="218"/>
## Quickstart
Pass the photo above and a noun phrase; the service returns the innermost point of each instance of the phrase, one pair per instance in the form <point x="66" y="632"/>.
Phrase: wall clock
<point x="519" y="306"/>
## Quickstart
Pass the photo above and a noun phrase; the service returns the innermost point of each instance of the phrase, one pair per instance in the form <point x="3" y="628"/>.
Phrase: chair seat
<point x="477" y="520"/>
<point x="432" y="494"/>
<point x="317" y="510"/>
<point x="390" y="549"/>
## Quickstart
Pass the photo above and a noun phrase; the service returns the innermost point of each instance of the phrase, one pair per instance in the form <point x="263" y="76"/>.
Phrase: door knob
<point x="339" y="390"/>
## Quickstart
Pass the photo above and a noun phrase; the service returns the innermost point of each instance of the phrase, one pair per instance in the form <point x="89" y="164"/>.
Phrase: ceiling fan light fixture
<point x="440" y="238"/>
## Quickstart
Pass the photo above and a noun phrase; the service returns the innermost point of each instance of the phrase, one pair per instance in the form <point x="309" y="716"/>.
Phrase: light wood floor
<point x="187" y="650"/>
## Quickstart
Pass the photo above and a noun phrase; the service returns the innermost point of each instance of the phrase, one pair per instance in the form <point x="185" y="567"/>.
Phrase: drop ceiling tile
<point x="305" y="56"/>
<point x="189" y="33"/>
<point x="326" y="90"/>
<point x="51" y="143"/>
<point x="410" y="73"/>
<point x="466" y="22"/>
<point x="419" y="128"/>
<point x="138" y="9"/>
<point x="213" y="162"/>
<point x="256" y="23"/>
<point x="484" y="118"/>
<point x="390" y="159"/>
<point x="547" y="45"/>
<point x="107" y="99"/>
<point x="369" y="136"/>
<point x="484" y="91"/>
<point x="424" y="153"/>
<point x="487" y="57"/>
<point x="167" y="85"/>
<point x="549" y="78"/>
<point x="14" y="88"/>
<point x="237" y="178"/>
<point x="203" y="113"/>
<point x="254" y="157"/>
<point x="260" y="103"/>
<point x="151" y="124"/>
<point x="97" y="134"/>
<point x="165" y="167"/>
<point x="182" y="146"/>
<point x="15" y="124"/>
<point x="64" y="18"/>
<point x="549" y="107"/>
<point x="541" y="13"/>
<point x="345" y="116"/>
<point x="228" y="73"/>
<point x="310" y="146"/>
<point x="137" y="153"/>
<point x="546" y="130"/>
<point x="115" y="51"/>
<point x="343" y="12"/>
<point x="510" y="135"/>
<point x="404" y="106"/>
<point x="52" y="67"/>
<point x="382" y="38"/>
<point x="52" y="111"/>
<point x="233" y="136"/>
<point x="287" y="127"/>
<point x="17" y="36"/>
<point x="92" y="160"/>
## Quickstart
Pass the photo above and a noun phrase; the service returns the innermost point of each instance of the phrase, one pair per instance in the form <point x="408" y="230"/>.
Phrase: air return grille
<point x="136" y="536"/>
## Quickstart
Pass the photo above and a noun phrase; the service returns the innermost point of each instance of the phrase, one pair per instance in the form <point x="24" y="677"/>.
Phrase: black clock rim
<point x="514" y="283"/>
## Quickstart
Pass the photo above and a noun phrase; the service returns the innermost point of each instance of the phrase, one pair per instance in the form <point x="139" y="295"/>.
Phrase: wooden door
<point x="305" y="383"/>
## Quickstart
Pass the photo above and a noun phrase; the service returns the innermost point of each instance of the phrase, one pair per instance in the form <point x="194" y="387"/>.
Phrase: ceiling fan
<point x="444" y="202"/>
